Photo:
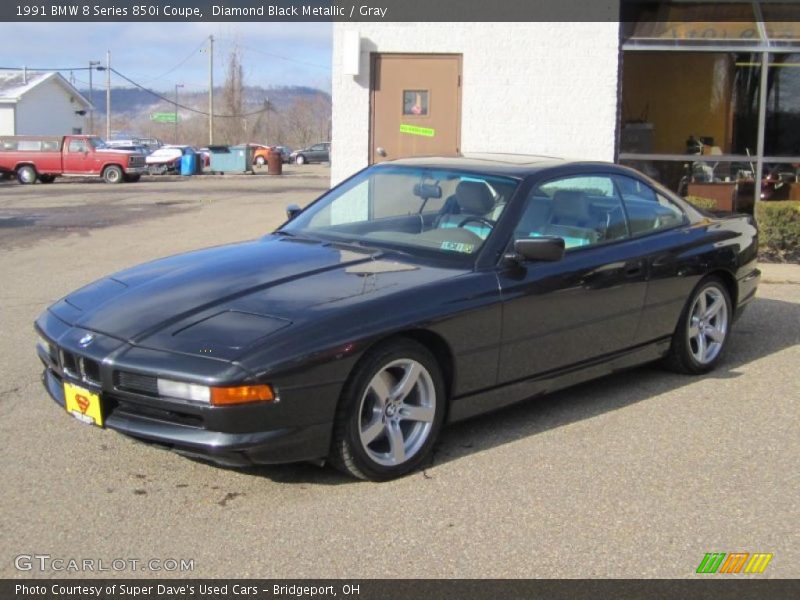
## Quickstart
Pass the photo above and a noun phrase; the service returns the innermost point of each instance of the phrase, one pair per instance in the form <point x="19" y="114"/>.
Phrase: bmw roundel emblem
<point x="85" y="340"/>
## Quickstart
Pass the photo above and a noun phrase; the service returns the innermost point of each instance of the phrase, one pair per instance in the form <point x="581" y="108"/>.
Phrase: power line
<point x="183" y="106"/>
<point x="32" y="70"/>
<point x="148" y="90"/>
<point x="278" y="56"/>
<point x="179" y="65"/>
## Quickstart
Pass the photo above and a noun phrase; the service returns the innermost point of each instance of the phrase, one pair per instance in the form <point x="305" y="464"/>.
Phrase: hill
<point x="135" y="102"/>
<point x="296" y="115"/>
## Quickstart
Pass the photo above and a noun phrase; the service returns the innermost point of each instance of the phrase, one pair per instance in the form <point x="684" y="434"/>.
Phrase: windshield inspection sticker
<point x="458" y="247"/>
<point x="414" y="130"/>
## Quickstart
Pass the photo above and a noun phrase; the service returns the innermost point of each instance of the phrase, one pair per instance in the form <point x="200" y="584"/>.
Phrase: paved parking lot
<point x="636" y="475"/>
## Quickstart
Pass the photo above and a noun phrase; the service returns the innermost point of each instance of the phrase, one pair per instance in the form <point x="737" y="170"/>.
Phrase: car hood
<point x="117" y="151"/>
<point x="220" y="301"/>
<point x="160" y="158"/>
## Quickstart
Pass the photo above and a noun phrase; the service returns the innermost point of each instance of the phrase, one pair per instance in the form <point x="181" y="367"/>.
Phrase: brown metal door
<point x="416" y="105"/>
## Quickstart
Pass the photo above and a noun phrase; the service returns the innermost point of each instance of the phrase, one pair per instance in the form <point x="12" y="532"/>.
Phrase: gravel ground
<point x="642" y="472"/>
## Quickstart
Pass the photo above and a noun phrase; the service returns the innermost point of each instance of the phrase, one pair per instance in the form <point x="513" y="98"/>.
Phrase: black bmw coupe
<point x="417" y="292"/>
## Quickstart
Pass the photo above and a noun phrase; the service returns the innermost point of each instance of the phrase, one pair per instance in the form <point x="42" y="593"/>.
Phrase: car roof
<point x="516" y="165"/>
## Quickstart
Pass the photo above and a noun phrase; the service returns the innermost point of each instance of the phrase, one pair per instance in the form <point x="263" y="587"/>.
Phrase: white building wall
<point x="7" y="119"/>
<point x="47" y="110"/>
<point x="536" y="88"/>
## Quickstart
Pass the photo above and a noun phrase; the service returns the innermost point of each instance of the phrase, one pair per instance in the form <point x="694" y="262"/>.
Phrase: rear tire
<point x="113" y="174"/>
<point x="703" y="330"/>
<point x="260" y="161"/>
<point x="390" y="413"/>
<point x="26" y="175"/>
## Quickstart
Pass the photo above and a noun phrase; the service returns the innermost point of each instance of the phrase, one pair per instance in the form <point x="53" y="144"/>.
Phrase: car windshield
<point x="414" y="208"/>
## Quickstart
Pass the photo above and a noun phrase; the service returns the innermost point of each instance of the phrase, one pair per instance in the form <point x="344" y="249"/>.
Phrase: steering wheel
<point x="489" y="223"/>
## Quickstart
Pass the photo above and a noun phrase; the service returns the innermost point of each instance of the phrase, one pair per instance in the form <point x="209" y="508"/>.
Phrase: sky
<point x="160" y="55"/>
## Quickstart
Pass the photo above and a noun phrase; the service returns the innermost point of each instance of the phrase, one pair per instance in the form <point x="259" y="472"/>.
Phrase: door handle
<point x="380" y="152"/>
<point x="633" y="269"/>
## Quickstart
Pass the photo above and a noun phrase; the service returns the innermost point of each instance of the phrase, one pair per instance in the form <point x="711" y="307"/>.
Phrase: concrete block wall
<point x="538" y="88"/>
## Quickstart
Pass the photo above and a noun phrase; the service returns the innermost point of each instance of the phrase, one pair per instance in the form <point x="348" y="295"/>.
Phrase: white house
<point x="36" y="103"/>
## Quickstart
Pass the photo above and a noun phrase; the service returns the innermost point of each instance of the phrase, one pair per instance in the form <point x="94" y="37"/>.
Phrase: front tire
<point x="260" y="161"/>
<point x="113" y="174"/>
<point x="390" y="413"/>
<point x="26" y="175"/>
<point x="703" y="330"/>
<point x="300" y="160"/>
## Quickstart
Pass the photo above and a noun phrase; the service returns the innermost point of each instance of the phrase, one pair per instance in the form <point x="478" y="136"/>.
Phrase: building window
<point x="692" y="114"/>
<point x="415" y="102"/>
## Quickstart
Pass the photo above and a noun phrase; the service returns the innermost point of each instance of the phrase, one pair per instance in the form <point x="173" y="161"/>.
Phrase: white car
<point x="166" y="158"/>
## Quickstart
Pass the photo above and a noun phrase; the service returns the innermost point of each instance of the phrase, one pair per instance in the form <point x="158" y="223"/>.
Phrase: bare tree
<point x="307" y="121"/>
<point x="233" y="129"/>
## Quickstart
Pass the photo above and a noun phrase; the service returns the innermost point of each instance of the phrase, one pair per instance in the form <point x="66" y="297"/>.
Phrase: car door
<point x="584" y="306"/>
<point x="315" y="155"/>
<point x="77" y="157"/>
<point x="669" y="243"/>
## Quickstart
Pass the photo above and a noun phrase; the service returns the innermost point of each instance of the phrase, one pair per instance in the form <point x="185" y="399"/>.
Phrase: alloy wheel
<point x="397" y="412"/>
<point x="708" y="324"/>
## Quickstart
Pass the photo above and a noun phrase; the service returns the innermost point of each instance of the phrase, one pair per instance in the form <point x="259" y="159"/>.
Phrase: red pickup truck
<point x="47" y="157"/>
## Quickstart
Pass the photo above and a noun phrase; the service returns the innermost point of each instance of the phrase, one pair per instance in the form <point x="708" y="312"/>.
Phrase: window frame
<point x="575" y="175"/>
<point x="767" y="46"/>
<point x="482" y="258"/>
<point x="83" y="143"/>
<point x="656" y="192"/>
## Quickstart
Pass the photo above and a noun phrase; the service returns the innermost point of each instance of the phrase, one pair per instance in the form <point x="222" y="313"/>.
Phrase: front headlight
<point x="44" y="344"/>
<point x="184" y="391"/>
<point x="216" y="396"/>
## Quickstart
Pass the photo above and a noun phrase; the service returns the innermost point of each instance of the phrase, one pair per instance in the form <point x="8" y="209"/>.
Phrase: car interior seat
<point x="471" y="199"/>
<point x="571" y="219"/>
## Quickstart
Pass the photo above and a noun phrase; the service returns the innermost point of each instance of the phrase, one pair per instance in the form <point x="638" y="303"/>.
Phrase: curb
<point x="780" y="273"/>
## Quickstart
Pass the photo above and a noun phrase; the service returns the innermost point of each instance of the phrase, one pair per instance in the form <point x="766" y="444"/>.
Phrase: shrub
<point x="779" y="230"/>
<point x="700" y="202"/>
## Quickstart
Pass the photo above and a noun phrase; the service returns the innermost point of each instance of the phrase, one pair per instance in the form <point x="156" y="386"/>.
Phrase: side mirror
<point x="547" y="248"/>
<point x="292" y="211"/>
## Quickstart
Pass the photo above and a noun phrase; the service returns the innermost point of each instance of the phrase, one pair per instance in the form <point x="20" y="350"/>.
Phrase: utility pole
<point x="177" y="85"/>
<point x="210" y="90"/>
<point x="92" y="65"/>
<point x="108" y="94"/>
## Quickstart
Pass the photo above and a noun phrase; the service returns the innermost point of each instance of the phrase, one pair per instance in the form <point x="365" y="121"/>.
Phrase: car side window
<point x="647" y="210"/>
<point x="583" y="210"/>
<point x="77" y="146"/>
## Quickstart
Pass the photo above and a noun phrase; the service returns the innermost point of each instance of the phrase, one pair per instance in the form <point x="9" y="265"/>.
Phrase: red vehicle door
<point x="78" y="156"/>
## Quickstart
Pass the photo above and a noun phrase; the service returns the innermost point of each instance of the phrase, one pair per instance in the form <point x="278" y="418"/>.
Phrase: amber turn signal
<point x="225" y="396"/>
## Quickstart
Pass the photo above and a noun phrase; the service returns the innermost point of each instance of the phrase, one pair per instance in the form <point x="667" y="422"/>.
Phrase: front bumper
<point x="229" y="449"/>
<point x="136" y="170"/>
<point x="223" y="435"/>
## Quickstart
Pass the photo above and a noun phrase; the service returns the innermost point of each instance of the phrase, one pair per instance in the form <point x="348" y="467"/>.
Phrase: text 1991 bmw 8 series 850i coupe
<point x="417" y="292"/>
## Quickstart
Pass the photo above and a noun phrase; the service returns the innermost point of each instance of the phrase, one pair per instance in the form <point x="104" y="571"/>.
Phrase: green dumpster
<point x="231" y="159"/>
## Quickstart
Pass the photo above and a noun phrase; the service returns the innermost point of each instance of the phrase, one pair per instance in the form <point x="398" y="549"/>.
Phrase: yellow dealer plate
<point x="83" y="404"/>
